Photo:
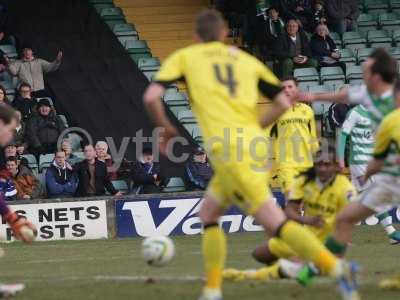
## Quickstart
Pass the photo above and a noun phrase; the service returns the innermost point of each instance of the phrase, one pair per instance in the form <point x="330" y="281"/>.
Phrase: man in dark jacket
<point x="61" y="181"/>
<point x="294" y="50"/>
<point x="92" y="176"/>
<point x="25" y="102"/>
<point x="342" y="15"/>
<point x="43" y="129"/>
<point x="198" y="171"/>
<point x="146" y="174"/>
<point x="268" y="31"/>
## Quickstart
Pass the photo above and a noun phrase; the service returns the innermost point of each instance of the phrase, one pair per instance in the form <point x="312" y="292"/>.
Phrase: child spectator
<point x="24" y="101"/>
<point x="27" y="186"/>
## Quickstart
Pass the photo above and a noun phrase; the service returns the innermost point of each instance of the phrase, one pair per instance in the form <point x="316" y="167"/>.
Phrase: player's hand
<point x="17" y="222"/>
<point x="165" y="137"/>
<point x="317" y="221"/>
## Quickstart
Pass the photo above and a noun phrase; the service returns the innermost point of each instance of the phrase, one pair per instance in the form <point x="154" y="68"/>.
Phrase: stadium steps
<point x="165" y="25"/>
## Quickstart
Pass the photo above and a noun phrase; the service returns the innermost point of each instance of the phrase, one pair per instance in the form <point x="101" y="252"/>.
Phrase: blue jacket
<point x="60" y="182"/>
<point x="198" y="175"/>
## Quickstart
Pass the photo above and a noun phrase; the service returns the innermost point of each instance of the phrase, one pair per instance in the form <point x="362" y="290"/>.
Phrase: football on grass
<point x="158" y="250"/>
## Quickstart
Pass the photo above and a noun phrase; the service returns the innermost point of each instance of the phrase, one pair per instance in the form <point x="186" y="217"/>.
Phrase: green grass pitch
<point x="113" y="269"/>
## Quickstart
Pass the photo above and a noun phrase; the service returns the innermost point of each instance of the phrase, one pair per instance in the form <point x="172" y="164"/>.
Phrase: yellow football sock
<point x="307" y="245"/>
<point x="214" y="253"/>
<point x="280" y="249"/>
<point x="268" y="273"/>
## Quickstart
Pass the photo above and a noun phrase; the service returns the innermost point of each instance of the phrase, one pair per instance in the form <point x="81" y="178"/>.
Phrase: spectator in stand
<point x="198" y="171"/>
<point x="102" y="155"/>
<point x="71" y="158"/>
<point x="146" y="174"/>
<point x="324" y="49"/>
<point x="318" y="15"/>
<point x="11" y="151"/>
<point x="269" y="28"/>
<point x="20" y="134"/>
<point x="61" y="181"/>
<point x="30" y="70"/>
<point x="301" y="10"/>
<point x="3" y="96"/>
<point x="294" y="50"/>
<point x="7" y="185"/>
<point x="92" y="176"/>
<point x="27" y="186"/>
<point x="342" y="15"/>
<point x="25" y="102"/>
<point x="43" y="129"/>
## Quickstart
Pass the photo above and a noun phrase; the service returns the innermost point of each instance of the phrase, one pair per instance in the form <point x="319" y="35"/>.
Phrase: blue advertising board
<point x="178" y="216"/>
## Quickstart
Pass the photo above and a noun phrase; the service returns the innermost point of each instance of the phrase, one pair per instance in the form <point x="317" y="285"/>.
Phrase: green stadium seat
<point x="366" y="22"/>
<point x="45" y="161"/>
<point x="354" y="72"/>
<point x="137" y="49"/>
<point x="306" y="74"/>
<point x="376" y="5"/>
<point x="331" y="73"/>
<point x="175" y="184"/>
<point x="173" y="97"/>
<point x="197" y="136"/>
<point x="305" y="85"/>
<point x="395" y="52"/>
<point x="112" y="13"/>
<point x="379" y="38"/>
<point x="319" y="107"/>
<point x="112" y="23"/>
<point x="347" y="56"/>
<point x="121" y="185"/>
<point x="354" y="40"/>
<point x="64" y="120"/>
<point x="150" y="74"/>
<point x="186" y="117"/>
<point x="9" y="50"/>
<point x="124" y="39"/>
<point x="363" y="53"/>
<point x="336" y="38"/>
<point x="100" y="6"/>
<point x="190" y="127"/>
<point x="32" y="162"/>
<point x="396" y="35"/>
<point x="395" y="5"/>
<point x="101" y="1"/>
<point x="149" y="64"/>
<point x="389" y="21"/>
<point x="177" y="108"/>
<point x="125" y="29"/>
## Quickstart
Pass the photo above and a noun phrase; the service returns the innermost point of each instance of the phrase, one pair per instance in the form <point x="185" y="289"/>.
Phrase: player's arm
<point x="339" y="97"/>
<point x="170" y="71"/>
<point x="270" y="87"/>
<point x="15" y="221"/>
<point x="381" y="148"/>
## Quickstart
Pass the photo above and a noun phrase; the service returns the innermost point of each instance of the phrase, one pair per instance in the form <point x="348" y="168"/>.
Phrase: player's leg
<point x="213" y="247"/>
<point x="384" y="218"/>
<point x="307" y="246"/>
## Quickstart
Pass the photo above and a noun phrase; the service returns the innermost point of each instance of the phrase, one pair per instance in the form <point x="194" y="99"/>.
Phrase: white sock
<point x="387" y="225"/>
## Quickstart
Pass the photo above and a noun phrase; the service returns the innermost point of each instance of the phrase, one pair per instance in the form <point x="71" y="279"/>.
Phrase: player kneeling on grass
<point x="323" y="193"/>
<point x="20" y="226"/>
